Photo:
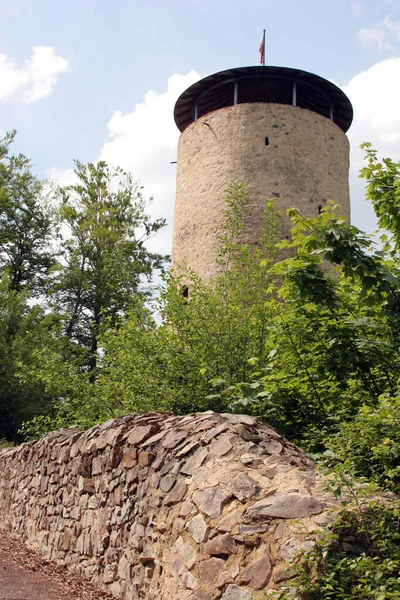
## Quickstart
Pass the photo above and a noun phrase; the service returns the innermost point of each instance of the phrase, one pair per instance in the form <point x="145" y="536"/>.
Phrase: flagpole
<point x="263" y="48"/>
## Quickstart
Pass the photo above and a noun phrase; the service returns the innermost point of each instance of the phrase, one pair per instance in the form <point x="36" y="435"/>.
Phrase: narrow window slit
<point x="266" y="141"/>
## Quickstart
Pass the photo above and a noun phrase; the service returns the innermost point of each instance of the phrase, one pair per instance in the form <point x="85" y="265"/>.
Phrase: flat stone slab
<point x="285" y="506"/>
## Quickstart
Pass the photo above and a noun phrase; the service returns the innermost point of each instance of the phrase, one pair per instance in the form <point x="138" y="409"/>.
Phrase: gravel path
<point x="24" y="575"/>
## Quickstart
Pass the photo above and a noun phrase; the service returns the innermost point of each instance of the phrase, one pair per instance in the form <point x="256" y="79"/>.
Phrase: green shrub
<point x="366" y="566"/>
<point x="370" y="444"/>
<point x="358" y="555"/>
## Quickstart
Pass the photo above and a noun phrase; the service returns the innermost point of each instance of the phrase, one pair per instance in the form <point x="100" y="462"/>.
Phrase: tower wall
<point x="305" y="164"/>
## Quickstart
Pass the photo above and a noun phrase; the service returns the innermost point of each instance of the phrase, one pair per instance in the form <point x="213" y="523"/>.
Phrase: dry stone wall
<point x="198" y="507"/>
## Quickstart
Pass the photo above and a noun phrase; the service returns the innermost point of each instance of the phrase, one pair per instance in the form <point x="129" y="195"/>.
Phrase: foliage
<point x="369" y="445"/>
<point x="35" y="428"/>
<point x="306" y="362"/>
<point x="383" y="190"/>
<point x="358" y="555"/>
<point x="26" y="223"/>
<point x="58" y="294"/>
<point x="201" y="346"/>
<point x="23" y="330"/>
<point x="5" y="443"/>
<point x="311" y="349"/>
<point x="330" y="348"/>
<point x="104" y="255"/>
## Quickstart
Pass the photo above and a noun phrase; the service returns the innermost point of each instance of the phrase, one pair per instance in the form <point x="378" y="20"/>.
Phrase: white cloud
<point x="144" y="142"/>
<point x="377" y="36"/>
<point x="62" y="176"/>
<point x="357" y="8"/>
<point x="392" y="27"/>
<point x="383" y="35"/>
<point x="374" y="94"/>
<point x="34" y="79"/>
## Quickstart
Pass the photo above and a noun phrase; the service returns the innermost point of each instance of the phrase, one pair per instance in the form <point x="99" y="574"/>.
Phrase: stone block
<point x="198" y="529"/>
<point x="210" y="501"/>
<point x="258" y="573"/>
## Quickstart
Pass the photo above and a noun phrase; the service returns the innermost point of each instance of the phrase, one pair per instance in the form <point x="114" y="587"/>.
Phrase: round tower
<point x="281" y="130"/>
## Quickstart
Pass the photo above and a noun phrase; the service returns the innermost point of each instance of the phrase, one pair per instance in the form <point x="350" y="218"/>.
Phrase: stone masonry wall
<point x="198" y="507"/>
<point x="305" y="164"/>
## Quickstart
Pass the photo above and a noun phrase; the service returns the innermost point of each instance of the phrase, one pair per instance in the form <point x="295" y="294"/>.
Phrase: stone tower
<point x="281" y="130"/>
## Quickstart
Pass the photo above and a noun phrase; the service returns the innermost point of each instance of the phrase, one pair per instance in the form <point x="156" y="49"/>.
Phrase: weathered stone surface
<point x="192" y="445"/>
<point x="129" y="458"/>
<point x="234" y="592"/>
<point x="158" y="506"/>
<point x="176" y="566"/>
<point x="173" y="438"/>
<point x="147" y="556"/>
<point x="186" y="552"/>
<point x="285" y="506"/>
<point x="166" y="483"/>
<point x="187" y="508"/>
<point x="201" y="595"/>
<point x="170" y="466"/>
<point x="291" y="548"/>
<point x="210" y="501"/>
<point x="253" y="529"/>
<point x="189" y="581"/>
<point x="222" y="545"/>
<point x="145" y="458"/>
<point x="140" y="434"/>
<point x="221" y="447"/>
<point x="198" y="529"/>
<point x="284" y="574"/>
<point x="93" y="502"/>
<point x="214" y="432"/>
<point x="243" y="419"/>
<point x="273" y="447"/>
<point x="230" y="521"/>
<point x="153" y="439"/>
<point x="210" y="569"/>
<point x="177" y="493"/>
<point x="208" y="163"/>
<point x="258" y="573"/>
<point x="195" y="461"/>
<point x="282" y="531"/>
<point x="243" y="487"/>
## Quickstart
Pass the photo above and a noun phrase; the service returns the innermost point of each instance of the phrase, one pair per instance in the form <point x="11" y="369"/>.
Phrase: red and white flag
<point x="262" y="49"/>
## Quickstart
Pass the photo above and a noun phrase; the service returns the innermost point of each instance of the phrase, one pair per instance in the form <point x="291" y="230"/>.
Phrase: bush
<point x="358" y="557"/>
<point x="370" y="444"/>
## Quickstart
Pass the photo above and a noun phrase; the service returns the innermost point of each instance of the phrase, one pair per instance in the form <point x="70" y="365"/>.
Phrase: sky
<point x="98" y="79"/>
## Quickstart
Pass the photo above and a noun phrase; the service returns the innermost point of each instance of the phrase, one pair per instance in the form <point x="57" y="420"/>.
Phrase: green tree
<point x="335" y="357"/>
<point x="383" y="191"/>
<point x="202" y="346"/>
<point x="26" y="223"/>
<point x="24" y="331"/>
<point x="334" y="346"/>
<point x="104" y="254"/>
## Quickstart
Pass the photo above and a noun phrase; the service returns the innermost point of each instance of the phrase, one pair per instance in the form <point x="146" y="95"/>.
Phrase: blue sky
<point x="94" y="78"/>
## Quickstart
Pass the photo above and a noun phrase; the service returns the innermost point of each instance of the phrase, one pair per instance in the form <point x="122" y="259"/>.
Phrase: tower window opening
<point x="185" y="292"/>
<point x="319" y="209"/>
<point x="266" y="141"/>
